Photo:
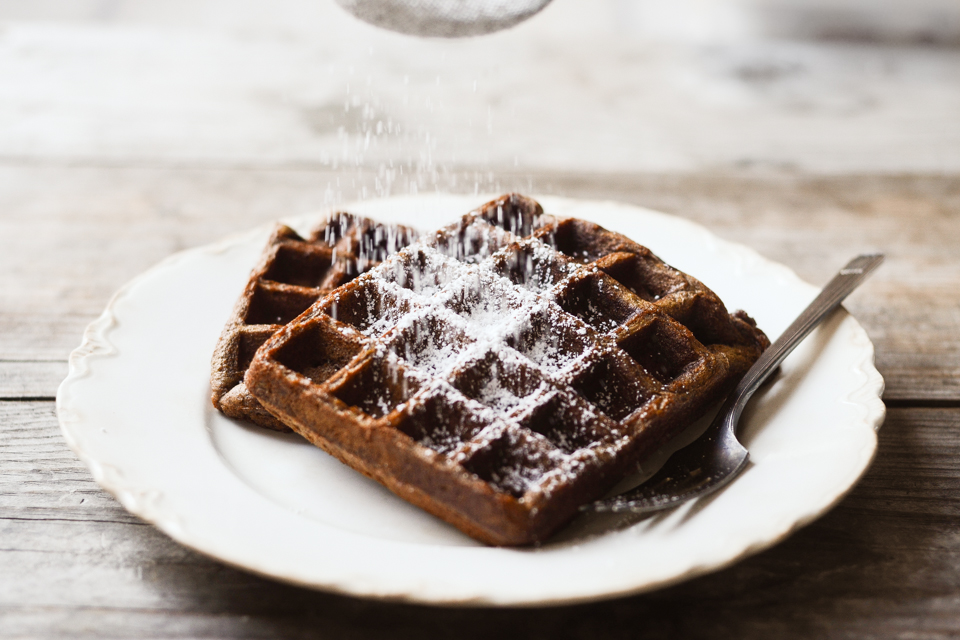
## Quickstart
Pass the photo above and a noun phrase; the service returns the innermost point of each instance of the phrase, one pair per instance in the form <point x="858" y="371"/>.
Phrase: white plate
<point x="135" y="407"/>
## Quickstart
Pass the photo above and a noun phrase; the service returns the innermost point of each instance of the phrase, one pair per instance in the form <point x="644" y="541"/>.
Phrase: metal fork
<point x="717" y="457"/>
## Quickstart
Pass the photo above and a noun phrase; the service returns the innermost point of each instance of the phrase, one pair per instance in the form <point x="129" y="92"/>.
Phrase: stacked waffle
<point x="292" y="274"/>
<point x="506" y="369"/>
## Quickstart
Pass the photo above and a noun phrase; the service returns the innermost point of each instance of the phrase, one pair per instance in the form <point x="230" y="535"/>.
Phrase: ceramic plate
<point x="135" y="407"/>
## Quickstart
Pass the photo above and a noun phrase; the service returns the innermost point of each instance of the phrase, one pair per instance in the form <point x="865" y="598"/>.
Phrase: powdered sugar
<point x="475" y="320"/>
<point x="470" y="313"/>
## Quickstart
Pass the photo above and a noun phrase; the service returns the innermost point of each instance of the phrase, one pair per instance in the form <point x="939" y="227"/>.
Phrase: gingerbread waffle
<point x="291" y="275"/>
<point x="506" y="369"/>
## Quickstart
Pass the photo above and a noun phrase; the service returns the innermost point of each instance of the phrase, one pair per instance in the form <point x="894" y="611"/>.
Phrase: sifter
<point x="443" y="18"/>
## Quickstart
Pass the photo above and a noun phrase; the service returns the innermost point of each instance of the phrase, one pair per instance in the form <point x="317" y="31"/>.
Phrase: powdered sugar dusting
<point x="471" y="314"/>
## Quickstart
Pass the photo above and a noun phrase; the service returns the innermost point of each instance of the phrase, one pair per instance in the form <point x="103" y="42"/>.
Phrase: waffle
<point x="291" y="275"/>
<point x="506" y="369"/>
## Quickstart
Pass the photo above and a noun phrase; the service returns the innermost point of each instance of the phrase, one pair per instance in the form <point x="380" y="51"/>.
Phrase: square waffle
<point x="506" y="369"/>
<point x="291" y="275"/>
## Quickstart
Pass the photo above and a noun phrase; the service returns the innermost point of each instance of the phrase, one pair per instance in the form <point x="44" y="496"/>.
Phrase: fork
<point x="717" y="457"/>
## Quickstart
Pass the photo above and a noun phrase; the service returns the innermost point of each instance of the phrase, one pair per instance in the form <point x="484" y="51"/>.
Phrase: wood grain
<point x="885" y="562"/>
<point x="104" y="225"/>
<point x="579" y="89"/>
<point x="28" y="379"/>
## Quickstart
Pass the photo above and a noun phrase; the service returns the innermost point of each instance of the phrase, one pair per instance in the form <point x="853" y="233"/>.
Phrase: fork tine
<point x="681" y="479"/>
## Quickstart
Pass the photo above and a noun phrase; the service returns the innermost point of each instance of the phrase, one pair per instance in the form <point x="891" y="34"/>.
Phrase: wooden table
<point x="93" y="191"/>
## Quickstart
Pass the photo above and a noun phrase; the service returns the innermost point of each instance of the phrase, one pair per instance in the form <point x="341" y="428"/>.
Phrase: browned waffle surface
<point x="506" y="369"/>
<point x="293" y="273"/>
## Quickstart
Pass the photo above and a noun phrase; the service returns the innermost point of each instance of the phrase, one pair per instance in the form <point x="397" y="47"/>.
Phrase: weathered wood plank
<point x="885" y="562"/>
<point x="25" y="379"/>
<point x="40" y="478"/>
<point x="570" y="90"/>
<point x="104" y="225"/>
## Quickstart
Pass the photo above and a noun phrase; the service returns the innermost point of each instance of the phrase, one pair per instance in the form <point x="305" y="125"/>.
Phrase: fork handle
<point x="846" y="280"/>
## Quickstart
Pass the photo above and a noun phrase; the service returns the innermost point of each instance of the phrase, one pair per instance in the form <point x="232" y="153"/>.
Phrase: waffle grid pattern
<point x="293" y="272"/>
<point x="506" y="369"/>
